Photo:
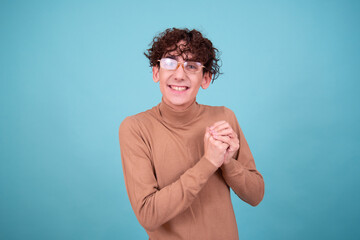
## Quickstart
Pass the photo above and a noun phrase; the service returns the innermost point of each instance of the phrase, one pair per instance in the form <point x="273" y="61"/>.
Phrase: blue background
<point x="71" y="71"/>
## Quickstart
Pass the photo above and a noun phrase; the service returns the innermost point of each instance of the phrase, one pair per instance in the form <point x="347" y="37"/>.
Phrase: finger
<point x="222" y="126"/>
<point x="219" y="143"/>
<point x="224" y="132"/>
<point x="234" y="145"/>
<point x="217" y="131"/>
<point x="225" y="146"/>
<point x="207" y="135"/>
<point x="224" y="139"/>
<point x="212" y="139"/>
<point x="217" y="124"/>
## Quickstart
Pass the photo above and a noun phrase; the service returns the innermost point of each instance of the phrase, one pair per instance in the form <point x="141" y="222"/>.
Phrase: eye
<point x="192" y="66"/>
<point x="170" y="62"/>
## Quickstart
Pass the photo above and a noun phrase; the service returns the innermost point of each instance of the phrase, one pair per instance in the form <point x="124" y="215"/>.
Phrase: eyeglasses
<point x="188" y="66"/>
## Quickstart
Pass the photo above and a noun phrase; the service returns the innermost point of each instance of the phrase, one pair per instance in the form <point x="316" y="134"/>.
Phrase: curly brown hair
<point x="199" y="47"/>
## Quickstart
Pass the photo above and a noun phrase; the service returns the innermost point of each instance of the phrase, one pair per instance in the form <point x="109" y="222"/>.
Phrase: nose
<point x="179" y="72"/>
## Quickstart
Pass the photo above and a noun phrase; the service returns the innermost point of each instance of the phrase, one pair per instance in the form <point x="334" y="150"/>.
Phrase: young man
<point x="180" y="158"/>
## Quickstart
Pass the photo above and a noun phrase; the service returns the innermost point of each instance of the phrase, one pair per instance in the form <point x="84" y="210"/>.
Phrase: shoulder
<point x="137" y="122"/>
<point x="128" y="123"/>
<point x="223" y="111"/>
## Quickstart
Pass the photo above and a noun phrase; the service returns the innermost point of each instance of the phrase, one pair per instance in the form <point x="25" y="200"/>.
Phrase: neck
<point x="178" y="108"/>
<point x="178" y="116"/>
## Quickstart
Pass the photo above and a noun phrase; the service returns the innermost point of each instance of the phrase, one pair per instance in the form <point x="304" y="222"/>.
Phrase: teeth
<point x="178" y="88"/>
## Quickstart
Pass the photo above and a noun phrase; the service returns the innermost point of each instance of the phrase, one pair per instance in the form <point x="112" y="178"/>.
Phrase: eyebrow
<point x="171" y="56"/>
<point x="175" y="57"/>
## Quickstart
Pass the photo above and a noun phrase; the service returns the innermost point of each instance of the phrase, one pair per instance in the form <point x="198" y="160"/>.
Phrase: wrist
<point x="217" y="164"/>
<point x="227" y="161"/>
<point x="205" y="167"/>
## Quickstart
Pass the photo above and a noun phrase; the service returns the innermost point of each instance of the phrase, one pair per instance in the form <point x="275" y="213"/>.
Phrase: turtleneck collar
<point x="177" y="117"/>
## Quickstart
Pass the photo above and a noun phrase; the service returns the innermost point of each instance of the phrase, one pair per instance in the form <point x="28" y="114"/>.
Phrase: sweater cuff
<point x="232" y="168"/>
<point x="205" y="168"/>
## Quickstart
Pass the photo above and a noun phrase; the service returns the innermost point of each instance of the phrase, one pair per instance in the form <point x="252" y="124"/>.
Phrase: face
<point x="178" y="88"/>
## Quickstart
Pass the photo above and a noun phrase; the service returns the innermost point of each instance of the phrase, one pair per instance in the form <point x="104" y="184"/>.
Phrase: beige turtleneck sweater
<point x="175" y="192"/>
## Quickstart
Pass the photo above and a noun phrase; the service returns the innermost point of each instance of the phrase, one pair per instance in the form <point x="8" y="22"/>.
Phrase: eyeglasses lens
<point x="172" y="64"/>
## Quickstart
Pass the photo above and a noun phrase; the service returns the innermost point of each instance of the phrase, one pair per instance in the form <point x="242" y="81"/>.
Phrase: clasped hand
<point x="220" y="143"/>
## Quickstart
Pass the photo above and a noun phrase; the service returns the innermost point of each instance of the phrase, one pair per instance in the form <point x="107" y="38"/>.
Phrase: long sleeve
<point x="154" y="206"/>
<point x="240" y="173"/>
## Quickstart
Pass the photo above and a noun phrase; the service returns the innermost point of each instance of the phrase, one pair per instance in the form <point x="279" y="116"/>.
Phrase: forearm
<point x="154" y="207"/>
<point x="247" y="183"/>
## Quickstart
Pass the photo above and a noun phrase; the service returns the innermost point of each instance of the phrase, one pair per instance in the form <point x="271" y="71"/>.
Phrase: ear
<point x="156" y="73"/>
<point x="206" y="80"/>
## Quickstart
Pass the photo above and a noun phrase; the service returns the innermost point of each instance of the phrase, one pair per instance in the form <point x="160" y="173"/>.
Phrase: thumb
<point x="207" y="135"/>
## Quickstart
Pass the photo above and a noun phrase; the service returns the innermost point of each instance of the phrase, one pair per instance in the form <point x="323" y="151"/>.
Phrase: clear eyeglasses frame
<point x="188" y="66"/>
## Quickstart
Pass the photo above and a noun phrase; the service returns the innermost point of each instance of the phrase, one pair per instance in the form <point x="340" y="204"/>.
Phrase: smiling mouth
<point x="178" y="88"/>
